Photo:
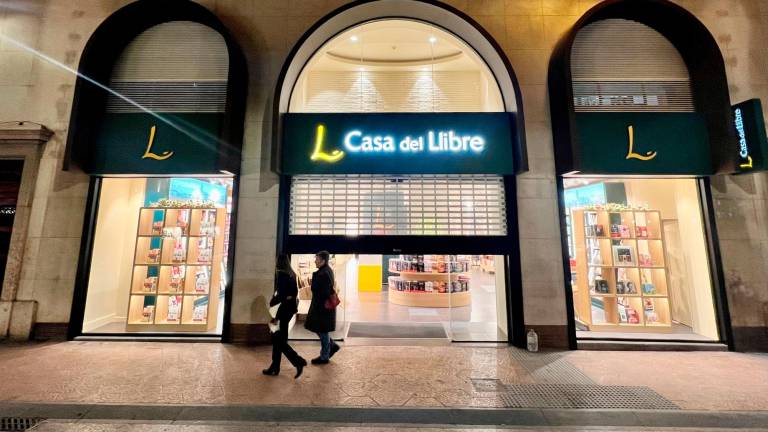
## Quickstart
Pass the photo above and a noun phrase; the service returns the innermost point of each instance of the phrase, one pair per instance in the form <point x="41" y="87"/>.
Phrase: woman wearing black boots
<point x="286" y="296"/>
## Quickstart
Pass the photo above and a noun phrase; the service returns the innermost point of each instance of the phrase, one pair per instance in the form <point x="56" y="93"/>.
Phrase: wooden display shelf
<point x="606" y="306"/>
<point x="193" y="231"/>
<point x="423" y="276"/>
<point x="430" y="299"/>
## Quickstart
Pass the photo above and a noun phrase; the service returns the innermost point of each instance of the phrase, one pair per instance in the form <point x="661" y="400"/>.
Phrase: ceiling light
<point x="353" y="38"/>
<point x="432" y="39"/>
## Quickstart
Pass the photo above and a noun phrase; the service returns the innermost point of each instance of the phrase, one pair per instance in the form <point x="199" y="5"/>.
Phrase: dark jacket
<point x="287" y="294"/>
<point x="320" y="319"/>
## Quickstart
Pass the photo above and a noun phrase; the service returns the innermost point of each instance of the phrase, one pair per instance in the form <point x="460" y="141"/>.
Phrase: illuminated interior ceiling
<point x="400" y="44"/>
<point x="394" y="50"/>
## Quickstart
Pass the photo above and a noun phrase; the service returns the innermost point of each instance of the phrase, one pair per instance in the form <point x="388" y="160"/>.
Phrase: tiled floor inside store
<point x="476" y="322"/>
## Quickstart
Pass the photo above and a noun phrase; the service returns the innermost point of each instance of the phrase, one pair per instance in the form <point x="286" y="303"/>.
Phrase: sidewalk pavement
<point x="212" y="381"/>
<point x="456" y="376"/>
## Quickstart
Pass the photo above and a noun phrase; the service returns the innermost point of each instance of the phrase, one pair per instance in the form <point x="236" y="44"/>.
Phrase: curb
<point x="419" y="416"/>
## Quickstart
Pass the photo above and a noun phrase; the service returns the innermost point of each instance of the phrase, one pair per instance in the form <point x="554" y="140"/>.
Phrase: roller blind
<point x="624" y="66"/>
<point x="179" y="66"/>
<point x="455" y="205"/>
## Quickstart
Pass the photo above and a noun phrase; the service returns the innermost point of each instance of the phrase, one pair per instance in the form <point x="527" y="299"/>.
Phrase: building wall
<point x="40" y="90"/>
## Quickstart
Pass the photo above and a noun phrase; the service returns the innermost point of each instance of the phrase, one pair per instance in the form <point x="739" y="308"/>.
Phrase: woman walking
<point x="286" y="296"/>
<point x="321" y="319"/>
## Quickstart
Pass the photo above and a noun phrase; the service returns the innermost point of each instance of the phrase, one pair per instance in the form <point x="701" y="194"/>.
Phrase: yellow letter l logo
<point x="148" y="152"/>
<point x="319" y="153"/>
<point x="631" y="154"/>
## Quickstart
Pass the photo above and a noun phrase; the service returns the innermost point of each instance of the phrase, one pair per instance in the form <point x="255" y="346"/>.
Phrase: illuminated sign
<point x="398" y="143"/>
<point x="750" y="132"/>
<point x="743" y="148"/>
<point x="355" y="141"/>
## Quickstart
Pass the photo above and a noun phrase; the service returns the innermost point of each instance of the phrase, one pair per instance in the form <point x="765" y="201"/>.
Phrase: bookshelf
<point x="177" y="269"/>
<point x="621" y="276"/>
<point x="429" y="281"/>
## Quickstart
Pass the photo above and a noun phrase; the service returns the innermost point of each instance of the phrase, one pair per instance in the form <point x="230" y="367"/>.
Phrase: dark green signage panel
<point x="140" y="143"/>
<point x="642" y="143"/>
<point x="750" y="132"/>
<point x="398" y="143"/>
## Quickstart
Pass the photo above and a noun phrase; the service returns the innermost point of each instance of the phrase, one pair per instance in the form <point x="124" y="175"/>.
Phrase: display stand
<point x="177" y="270"/>
<point x="429" y="281"/>
<point x="621" y="279"/>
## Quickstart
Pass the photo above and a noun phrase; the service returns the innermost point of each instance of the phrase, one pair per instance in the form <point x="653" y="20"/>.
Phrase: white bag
<point x="273" y="310"/>
<point x="274" y="326"/>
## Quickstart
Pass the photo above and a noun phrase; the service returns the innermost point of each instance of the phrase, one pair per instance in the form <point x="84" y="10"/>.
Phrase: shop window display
<point x="639" y="266"/>
<point x="160" y="256"/>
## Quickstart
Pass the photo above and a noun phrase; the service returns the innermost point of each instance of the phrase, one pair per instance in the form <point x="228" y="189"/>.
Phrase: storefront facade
<point x="514" y="42"/>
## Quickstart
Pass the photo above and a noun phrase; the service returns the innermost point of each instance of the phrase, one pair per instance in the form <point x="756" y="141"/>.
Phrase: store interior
<point x="159" y="262"/>
<point x="439" y="297"/>
<point x="638" y="257"/>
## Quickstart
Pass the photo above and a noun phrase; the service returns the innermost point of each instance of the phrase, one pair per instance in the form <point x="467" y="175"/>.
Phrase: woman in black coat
<point x="320" y="319"/>
<point x="286" y="296"/>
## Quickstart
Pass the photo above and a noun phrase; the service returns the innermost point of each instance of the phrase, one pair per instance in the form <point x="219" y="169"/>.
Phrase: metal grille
<point x="459" y="205"/>
<point x="550" y="367"/>
<point x="179" y="66"/>
<point x="620" y="65"/>
<point x="584" y="396"/>
<point x="18" y="423"/>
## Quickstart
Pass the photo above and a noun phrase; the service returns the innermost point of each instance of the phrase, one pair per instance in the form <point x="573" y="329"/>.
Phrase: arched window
<point x="157" y="123"/>
<point x="392" y="66"/>
<point x="636" y="104"/>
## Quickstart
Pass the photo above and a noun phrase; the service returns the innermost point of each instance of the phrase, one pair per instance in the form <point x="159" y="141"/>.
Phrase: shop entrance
<point x="399" y="146"/>
<point x="420" y="296"/>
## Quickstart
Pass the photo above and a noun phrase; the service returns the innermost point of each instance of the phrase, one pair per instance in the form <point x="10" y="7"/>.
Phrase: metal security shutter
<point x="456" y="205"/>
<point x="625" y="66"/>
<point x="179" y="66"/>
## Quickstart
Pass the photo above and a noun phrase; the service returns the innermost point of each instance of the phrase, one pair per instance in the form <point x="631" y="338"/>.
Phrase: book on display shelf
<point x="430" y="280"/>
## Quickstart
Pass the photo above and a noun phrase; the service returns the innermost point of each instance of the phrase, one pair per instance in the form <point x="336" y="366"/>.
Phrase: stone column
<point x="24" y="141"/>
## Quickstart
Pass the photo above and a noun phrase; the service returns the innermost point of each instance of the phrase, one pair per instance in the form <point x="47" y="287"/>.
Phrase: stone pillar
<point x="24" y="141"/>
<point x="741" y="209"/>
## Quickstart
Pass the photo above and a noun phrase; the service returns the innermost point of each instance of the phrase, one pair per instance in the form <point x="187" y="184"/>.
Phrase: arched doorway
<point x="425" y="243"/>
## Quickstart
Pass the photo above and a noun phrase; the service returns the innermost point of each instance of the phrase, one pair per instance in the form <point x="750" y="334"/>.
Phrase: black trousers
<point x="280" y="346"/>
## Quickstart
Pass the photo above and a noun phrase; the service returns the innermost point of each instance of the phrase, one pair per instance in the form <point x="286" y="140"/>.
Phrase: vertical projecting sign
<point x="750" y="132"/>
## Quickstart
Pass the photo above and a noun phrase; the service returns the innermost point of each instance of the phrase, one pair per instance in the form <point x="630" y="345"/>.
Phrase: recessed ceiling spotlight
<point x="432" y="39"/>
<point x="353" y="39"/>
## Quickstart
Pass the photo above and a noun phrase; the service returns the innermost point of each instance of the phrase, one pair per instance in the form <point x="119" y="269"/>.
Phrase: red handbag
<point x="332" y="301"/>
